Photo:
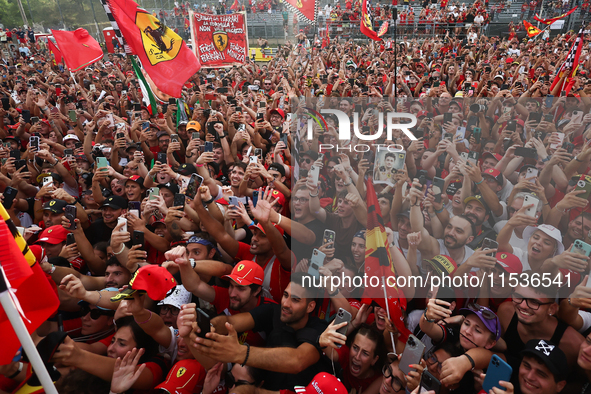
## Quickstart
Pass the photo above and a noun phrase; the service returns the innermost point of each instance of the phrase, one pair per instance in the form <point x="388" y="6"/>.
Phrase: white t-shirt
<point x="467" y="252"/>
<point x="515" y="241"/>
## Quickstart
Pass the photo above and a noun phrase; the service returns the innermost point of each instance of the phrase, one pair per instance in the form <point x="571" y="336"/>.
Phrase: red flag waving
<point x="378" y="263"/>
<point x="37" y="300"/>
<point x="549" y="21"/>
<point x="164" y="55"/>
<point x="306" y="10"/>
<point x="78" y="48"/>
<point x="366" y="22"/>
<point x="56" y="52"/>
<point x="571" y="63"/>
<point x="531" y="30"/>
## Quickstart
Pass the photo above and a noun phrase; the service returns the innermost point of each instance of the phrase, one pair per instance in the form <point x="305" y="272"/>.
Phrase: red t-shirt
<point x="279" y="277"/>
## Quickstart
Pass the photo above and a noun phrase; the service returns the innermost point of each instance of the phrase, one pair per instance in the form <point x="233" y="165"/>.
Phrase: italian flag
<point x="147" y="96"/>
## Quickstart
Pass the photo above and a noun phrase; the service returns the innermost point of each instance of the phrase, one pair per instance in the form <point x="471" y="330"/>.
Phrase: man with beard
<point x="292" y="356"/>
<point x="243" y="294"/>
<point x="478" y="212"/>
<point x="529" y="316"/>
<point x="457" y="234"/>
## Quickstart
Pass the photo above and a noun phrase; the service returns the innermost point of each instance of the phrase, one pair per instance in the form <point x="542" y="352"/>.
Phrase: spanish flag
<point x="531" y="30"/>
<point x="379" y="263"/>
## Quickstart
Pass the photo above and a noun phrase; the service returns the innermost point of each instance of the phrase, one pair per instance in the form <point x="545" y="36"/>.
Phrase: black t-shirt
<point x="98" y="232"/>
<point x="344" y="236"/>
<point x="303" y="251"/>
<point x="267" y="320"/>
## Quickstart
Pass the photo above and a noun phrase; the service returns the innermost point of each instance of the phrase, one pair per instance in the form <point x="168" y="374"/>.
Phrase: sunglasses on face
<point x="95" y="314"/>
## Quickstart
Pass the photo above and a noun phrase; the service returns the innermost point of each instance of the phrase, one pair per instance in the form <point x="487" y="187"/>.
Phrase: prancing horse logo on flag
<point x="160" y="42"/>
<point x="220" y="40"/>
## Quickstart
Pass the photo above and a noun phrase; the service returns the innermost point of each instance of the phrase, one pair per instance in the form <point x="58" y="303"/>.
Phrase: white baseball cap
<point x="179" y="297"/>
<point x="549" y="230"/>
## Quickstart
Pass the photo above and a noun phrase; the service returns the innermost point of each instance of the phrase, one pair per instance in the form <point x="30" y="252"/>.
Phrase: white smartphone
<point x="531" y="173"/>
<point x="315" y="172"/>
<point x="124" y="221"/>
<point x="558" y="144"/>
<point x="47" y="180"/>
<point x="528" y="200"/>
<point x="253" y="159"/>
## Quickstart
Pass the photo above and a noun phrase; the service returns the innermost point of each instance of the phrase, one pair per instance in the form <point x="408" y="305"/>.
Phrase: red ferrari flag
<point x="531" y="30"/>
<point x="78" y="48"/>
<point x="30" y="288"/>
<point x="549" y="21"/>
<point x="306" y="10"/>
<point x="366" y="22"/>
<point x="379" y="263"/>
<point x="164" y="55"/>
<point x="571" y="64"/>
<point x="56" y="52"/>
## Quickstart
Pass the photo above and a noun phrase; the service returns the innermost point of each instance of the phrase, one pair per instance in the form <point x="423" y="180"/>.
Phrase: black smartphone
<point x="26" y="114"/>
<point x="259" y="153"/>
<point x="34" y="120"/>
<point x="504" y="86"/>
<point x="208" y="146"/>
<point x="429" y="383"/>
<point x="536" y="116"/>
<point x="526" y="152"/>
<point x="70" y="212"/>
<point x="488" y="243"/>
<point x="34" y="143"/>
<point x="138" y="238"/>
<point x="68" y="152"/>
<point x="179" y="200"/>
<point x="15" y="153"/>
<point x="447" y="117"/>
<point x="260" y="116"/>
<point x="511" y="126"/>
<point x="171" y="101"/>
<point x="120" y="135"/>
<point x="549" y="118"/>
<point x="204" y="322"/>
<point x="438" y="184"/>
<point x="137" y="107"/>
<point x="422" y="175"/>
<point x="70" y="239"/>
<point x="20" y="164"/>
<point x="283" y="139"/>
<point x="5" y="103"/>
<point x="569" y="147"/>
<point x="9" y="196"/>
<point x="161" y="157"/>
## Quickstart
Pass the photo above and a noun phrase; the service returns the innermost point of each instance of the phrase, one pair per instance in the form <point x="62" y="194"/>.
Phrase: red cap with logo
<point x="279" y="197"/>
<point x="185" y="377"/>
<point x="53" y="235"/>
<point x="152" y="279"/>
<point x="509" y="262"/>
<point x="260" y="227"/>
<point x="323" y="383"/>
<point x="247" y="273"/>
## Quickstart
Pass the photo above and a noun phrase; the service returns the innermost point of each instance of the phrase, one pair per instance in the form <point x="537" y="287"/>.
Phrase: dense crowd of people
<point x="179" y="238"/>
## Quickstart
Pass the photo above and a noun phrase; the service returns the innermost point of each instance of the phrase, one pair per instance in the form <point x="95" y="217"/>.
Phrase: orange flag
<point x="531" y="30"/>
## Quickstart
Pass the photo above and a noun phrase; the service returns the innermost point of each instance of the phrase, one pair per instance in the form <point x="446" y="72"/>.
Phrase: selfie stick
<point x="388" y="312"/>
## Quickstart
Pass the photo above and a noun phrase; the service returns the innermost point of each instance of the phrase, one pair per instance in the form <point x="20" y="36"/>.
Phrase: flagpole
<point x="388" y="312"/>
<point x="23" y="335"/>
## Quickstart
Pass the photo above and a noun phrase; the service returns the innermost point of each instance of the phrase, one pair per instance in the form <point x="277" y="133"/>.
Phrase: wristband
<point x="209" y="201"/>
<point x="198" y="165"/>
<point x="427" y="319"/>
<point x="577" y="159"/>
<point x="313" y="195"/>
<point x="52" y="270"/>
<point x="478" y="183"/>
<point x="145" y="321"/>
<point x="279" y="221"/>
<point x="121" y="251"/>
<point x="439" y="210"/>
<point x="19" y="370"/>
<point x="471" y="361"/>
<point x="247" y="354"/>
<point x="100" y="296"/>
<point x="335" y="293"/>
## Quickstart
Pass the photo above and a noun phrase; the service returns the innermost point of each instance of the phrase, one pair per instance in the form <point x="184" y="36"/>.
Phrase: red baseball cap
<point x="53" y="235"/>
<point x="323" y="383"/>
<point x="279" y="111"/>
<point x="495" y="156"/>
<point x="152" y="279"/>
<point x="493" y="172"/>
<point x="280" y="197"/>
<point x="509" y="262"/>
<point x="184" y="378"/>
<point x="260" y="227"/>
<point x="247" y="272"/>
